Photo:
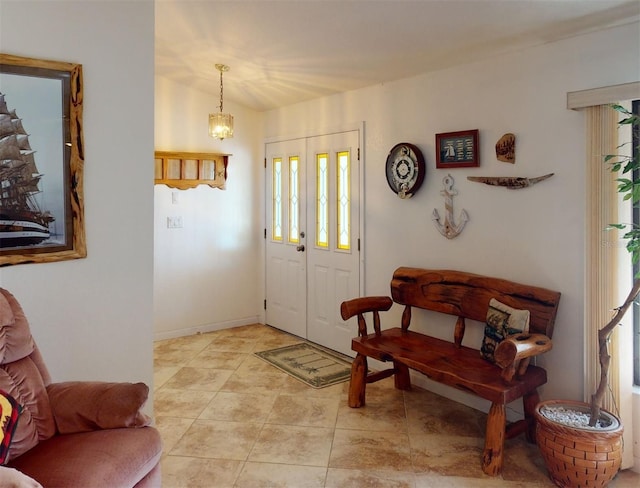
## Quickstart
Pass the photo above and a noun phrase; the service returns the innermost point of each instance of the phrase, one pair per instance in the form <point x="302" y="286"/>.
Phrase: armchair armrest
<point x="360" y="306"/>
<point x="81" y="406"/>
<point x="514" y="352"/>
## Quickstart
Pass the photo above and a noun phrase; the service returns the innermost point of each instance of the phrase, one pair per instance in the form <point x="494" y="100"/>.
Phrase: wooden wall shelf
<point x="184" y="170"/>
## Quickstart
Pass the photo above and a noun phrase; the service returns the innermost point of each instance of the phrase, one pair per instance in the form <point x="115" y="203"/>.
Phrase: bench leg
<point x="494" y="440"/>
<point x="529" y="401"/>
<point x="401" y="378"/>
<point x="358" y="383"/>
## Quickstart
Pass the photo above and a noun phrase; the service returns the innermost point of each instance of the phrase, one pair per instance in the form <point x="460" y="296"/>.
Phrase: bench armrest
<point x="360" y="306"/>
<point x="514" y="352"/>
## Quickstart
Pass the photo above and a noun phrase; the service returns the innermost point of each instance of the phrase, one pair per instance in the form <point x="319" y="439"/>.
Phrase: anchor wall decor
<point x="449" y="228"/>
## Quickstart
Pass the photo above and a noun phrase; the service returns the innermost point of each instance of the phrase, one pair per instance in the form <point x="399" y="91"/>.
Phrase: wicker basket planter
<point x="579" y="457"/>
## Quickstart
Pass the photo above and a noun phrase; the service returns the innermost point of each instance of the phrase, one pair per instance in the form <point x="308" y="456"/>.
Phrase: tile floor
<point x="228" y="419"/>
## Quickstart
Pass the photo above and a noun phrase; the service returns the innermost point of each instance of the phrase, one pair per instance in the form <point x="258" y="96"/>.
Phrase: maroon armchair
<point x="73" y="434"/>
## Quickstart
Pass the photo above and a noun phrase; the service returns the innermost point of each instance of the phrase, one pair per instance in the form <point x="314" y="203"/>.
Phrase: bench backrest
<point x="467" y="295"/>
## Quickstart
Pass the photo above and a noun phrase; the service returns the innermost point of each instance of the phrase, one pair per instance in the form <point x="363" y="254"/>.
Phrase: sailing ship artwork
<point x="41" y="161"/>
<point x="23" y="221"/>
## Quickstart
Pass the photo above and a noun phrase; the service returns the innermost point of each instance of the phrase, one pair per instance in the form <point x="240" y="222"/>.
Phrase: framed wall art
<point x="41" y="161"/>
<point x="457" y="149"/>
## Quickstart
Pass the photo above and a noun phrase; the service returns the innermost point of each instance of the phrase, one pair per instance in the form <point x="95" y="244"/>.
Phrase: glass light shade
<point x="220" y="125"/>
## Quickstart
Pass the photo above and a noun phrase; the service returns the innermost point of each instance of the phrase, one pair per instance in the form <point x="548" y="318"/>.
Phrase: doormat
<point x="311" y="364"/>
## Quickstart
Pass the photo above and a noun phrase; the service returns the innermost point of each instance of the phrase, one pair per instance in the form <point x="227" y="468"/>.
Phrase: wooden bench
<point x="466" y="296"/>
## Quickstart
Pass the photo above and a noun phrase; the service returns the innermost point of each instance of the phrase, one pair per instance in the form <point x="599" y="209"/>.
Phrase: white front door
<point x="333" y="257"/>
<point x="286" y="273"/>
<point x="320" y="255"/>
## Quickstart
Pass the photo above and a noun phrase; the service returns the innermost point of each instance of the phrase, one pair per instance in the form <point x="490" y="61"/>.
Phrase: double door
<point x="313" y="236"/>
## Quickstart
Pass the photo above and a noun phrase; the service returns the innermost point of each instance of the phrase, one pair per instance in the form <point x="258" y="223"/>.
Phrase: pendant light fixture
<point x="221" y="124"/>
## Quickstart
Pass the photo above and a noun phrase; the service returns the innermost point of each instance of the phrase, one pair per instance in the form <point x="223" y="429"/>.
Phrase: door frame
<point x="359" y="126"/>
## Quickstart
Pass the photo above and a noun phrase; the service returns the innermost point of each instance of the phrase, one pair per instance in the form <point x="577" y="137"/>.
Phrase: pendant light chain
<point x="221" y="97"/>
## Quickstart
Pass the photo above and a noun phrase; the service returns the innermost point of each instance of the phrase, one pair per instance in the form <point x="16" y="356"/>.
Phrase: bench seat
<point x="444" y="362"/>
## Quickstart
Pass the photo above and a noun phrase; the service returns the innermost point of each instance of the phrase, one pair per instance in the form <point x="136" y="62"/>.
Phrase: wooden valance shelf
<point x="184" y="170"/>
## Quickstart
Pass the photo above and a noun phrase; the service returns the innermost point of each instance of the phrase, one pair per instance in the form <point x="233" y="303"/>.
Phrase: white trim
<point x="200" y="329"/>
<point x="601" y="96"/>
<point x="319" y="131"/>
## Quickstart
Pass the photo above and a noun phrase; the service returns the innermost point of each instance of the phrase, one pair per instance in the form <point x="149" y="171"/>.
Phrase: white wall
<point x="208" y="274"/>
<point x="534" y="235"/>
<point x="93" y="318"/>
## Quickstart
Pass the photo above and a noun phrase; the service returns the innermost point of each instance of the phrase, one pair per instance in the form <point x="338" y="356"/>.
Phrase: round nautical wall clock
<point x="405" y="169"/>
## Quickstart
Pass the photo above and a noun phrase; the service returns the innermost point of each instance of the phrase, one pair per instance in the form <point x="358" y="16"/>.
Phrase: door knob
<point x="300" y="248"/>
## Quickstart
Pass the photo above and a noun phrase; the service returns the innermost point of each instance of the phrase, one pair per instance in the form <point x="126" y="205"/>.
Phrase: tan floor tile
<point x="353" y="478"/>
<point x="171" y="430"/>
<point x="305" y="411"/>
<point x="434" y="417"/>
<point x="286" y="444"/>
<point x="380" y="414"/>
<point x="188" y="404"/>
<point x="188" y="472"/>
<point x="358" y="449"/>
<point x="162" y="374"/>
<point x="212" y="358"/>
<point x="253" y="332"/>
<point x="179" y="351"/>
<point x="232" y="344"/>
<point x="255" y="383"/>
<point x="523" y="462"/>
<point x="431" y="480"/>
<point x="167" y="356"/>
<point x="202" y="379"/>
<point x="239" y="407"/>
<point x="625" y="479"/>
<point x="447" y="455"/>
<point x="218" y="440"/>
<point x="259" y="475"/>
<point x="192" y="343"/>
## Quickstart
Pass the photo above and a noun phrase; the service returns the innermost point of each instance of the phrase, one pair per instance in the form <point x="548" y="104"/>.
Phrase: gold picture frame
<point x="41" y="161"/>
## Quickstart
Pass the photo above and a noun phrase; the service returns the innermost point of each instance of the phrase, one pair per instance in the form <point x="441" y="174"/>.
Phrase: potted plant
<point x="581" y="443"/>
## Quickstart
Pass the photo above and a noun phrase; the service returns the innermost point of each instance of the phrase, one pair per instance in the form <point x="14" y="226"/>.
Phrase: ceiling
<point x="285" y="52"/>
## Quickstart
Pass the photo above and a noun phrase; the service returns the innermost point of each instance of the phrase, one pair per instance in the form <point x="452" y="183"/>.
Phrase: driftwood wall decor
<point x="509" y="182"/>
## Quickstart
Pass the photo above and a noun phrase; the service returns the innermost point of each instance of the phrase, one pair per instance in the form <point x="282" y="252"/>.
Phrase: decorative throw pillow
<point x="9" y="412"/>
<point x="502" y="321"/>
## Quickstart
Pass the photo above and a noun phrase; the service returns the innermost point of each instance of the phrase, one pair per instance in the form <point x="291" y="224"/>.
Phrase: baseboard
<point x="200" y="329"/>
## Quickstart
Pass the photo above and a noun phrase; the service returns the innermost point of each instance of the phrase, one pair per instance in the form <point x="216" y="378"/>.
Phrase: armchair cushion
<point x="102" y="458"/>
<point x="83" y="406"/>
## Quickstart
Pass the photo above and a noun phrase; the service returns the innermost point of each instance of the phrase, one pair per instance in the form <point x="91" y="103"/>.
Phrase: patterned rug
<point x="311" y="364"/>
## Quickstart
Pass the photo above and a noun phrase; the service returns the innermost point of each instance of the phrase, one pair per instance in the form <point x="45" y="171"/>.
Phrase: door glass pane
<point x="294" y="199"/>
<point x="322" y="200"/>
<point x="344" y="200"/>
<point x="276" y="224"/>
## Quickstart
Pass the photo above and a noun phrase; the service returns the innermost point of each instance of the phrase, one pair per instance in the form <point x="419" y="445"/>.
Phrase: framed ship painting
<point x="457" y="149"/>
<point x="41" y="161"/>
